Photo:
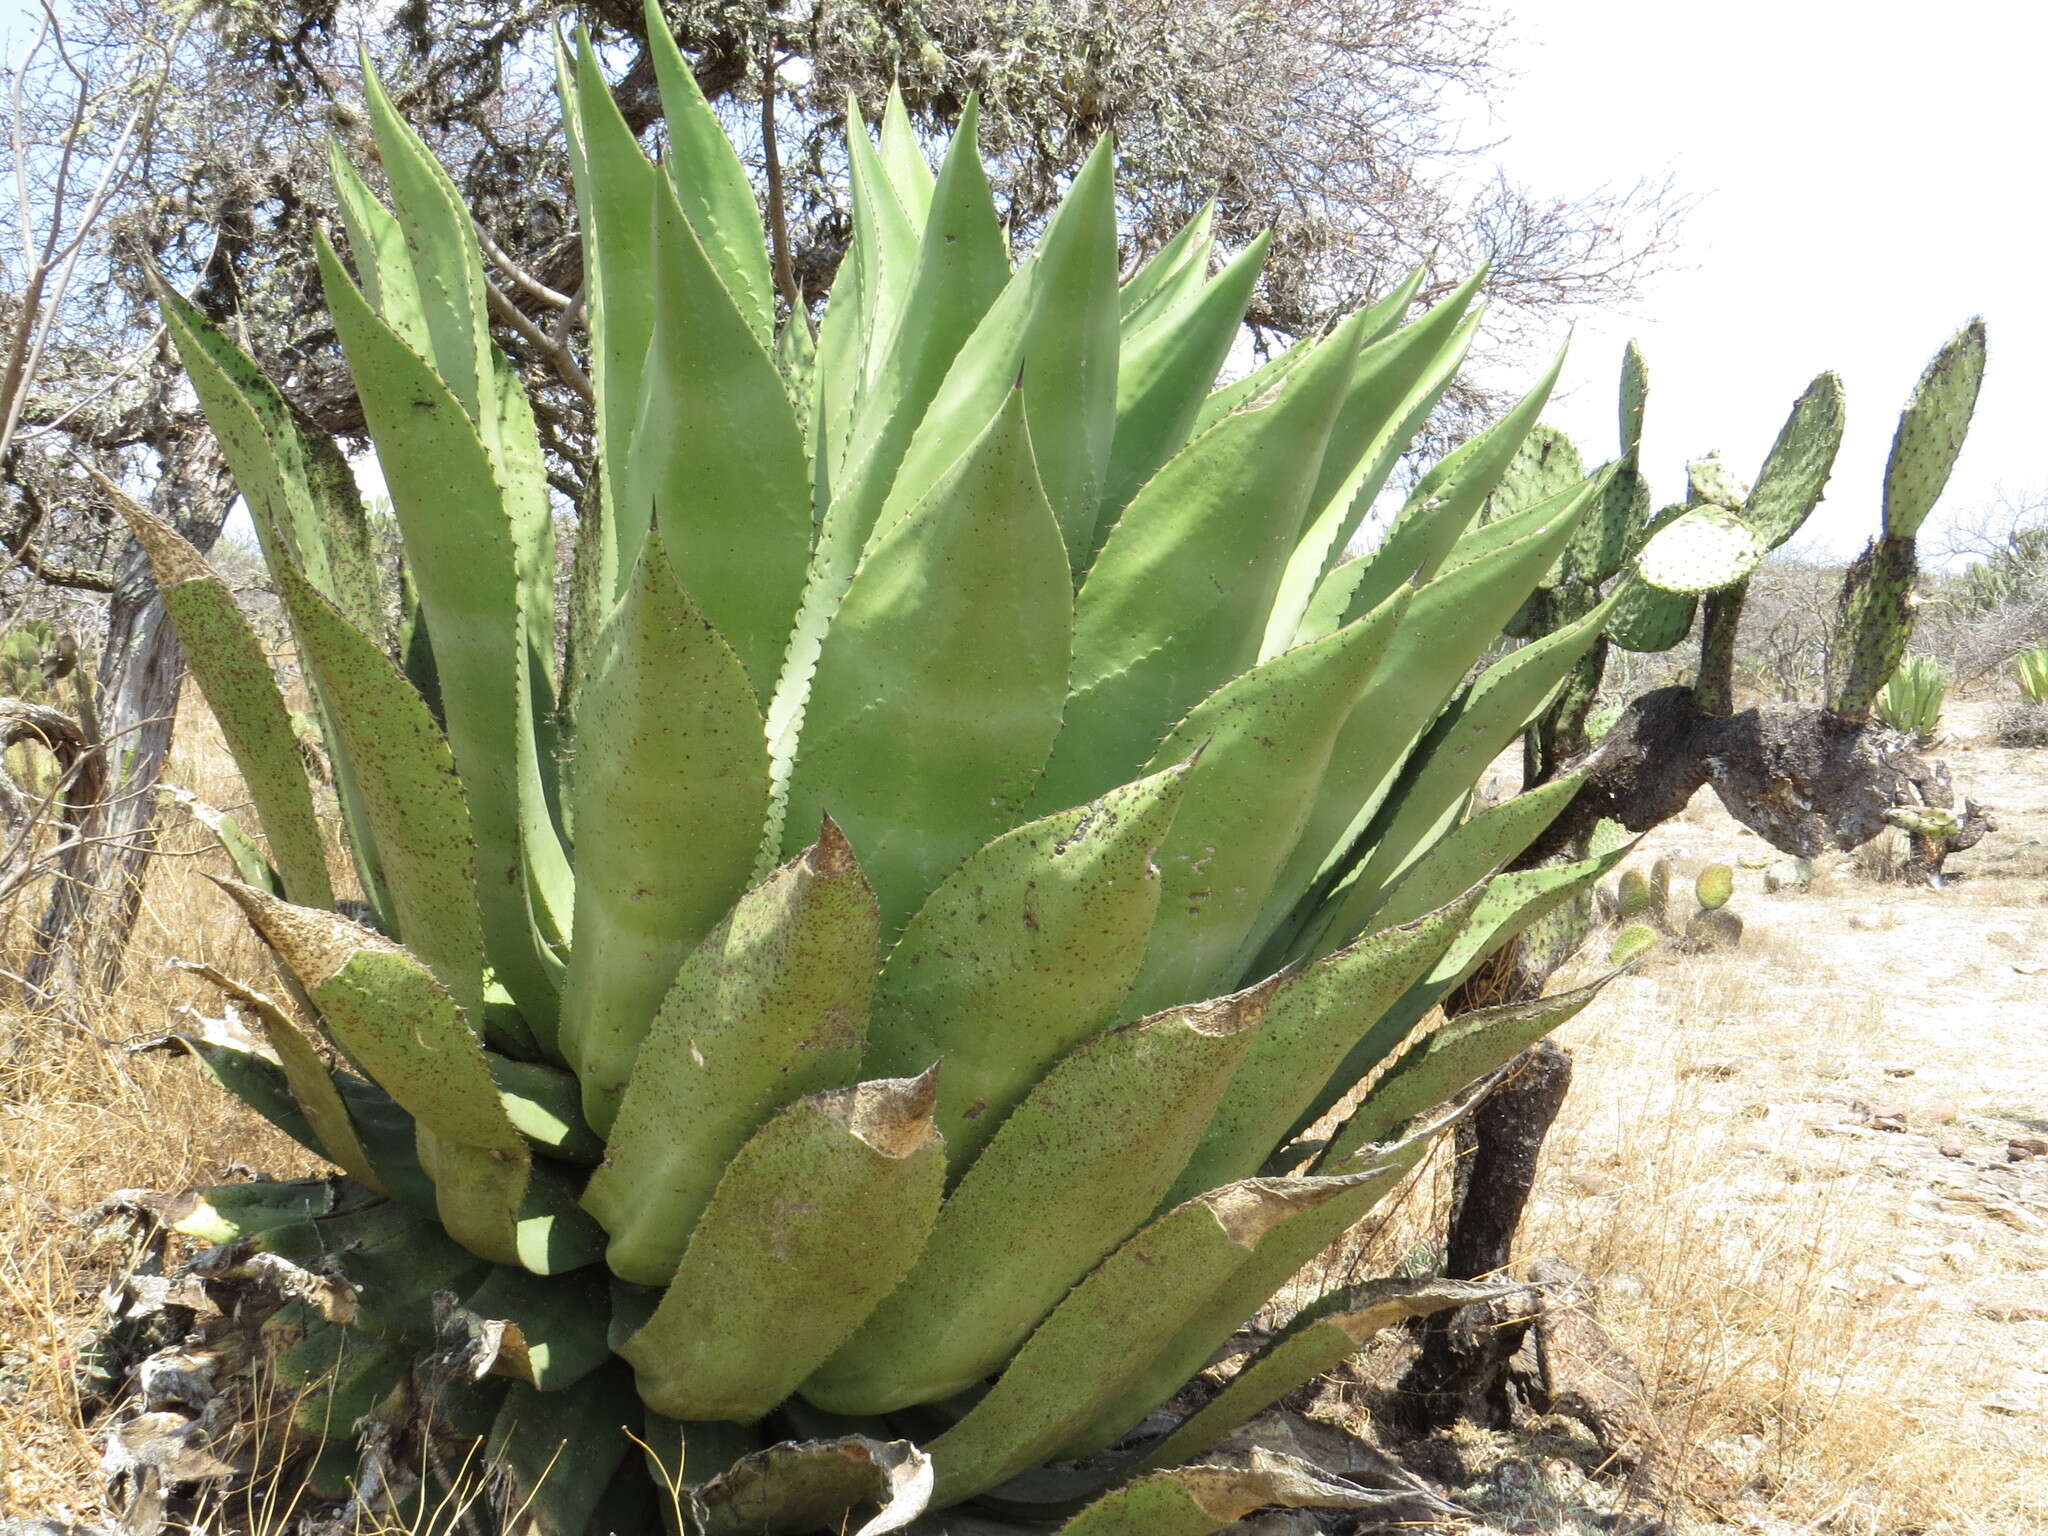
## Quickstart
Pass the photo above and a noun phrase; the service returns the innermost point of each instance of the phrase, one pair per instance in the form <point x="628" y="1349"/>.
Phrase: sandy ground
<point x="1801" y="1176"/>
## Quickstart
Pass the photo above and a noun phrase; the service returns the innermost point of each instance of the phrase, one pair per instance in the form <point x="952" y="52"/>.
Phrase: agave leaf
<point x="412" y="802"/>
<point x="710" y="181"/>
<point x="1397" y="383"/>
<point x="1446" y="1062"/>
<point x="1447" y="762"/>
<point x="557" y="1451"/>
<point x="770" y="1286"/>
<point x="1250" y="797"/>
<point x="1194" y="1501"/>
<point x="1025" y="950"/>
<point x="979" y="562"/>
<point x="312" y="1085"/>
<point x="1054" y="328"/>
<point x="548" y="1332"/>
<point x="890" y="237"/>
<point x="717" y="456"/>
<point x="681" y="734"/>
<point x="962" y="265"/>
<point x="1153" y="1373"/>
<point x="1329" y="1330"/>
<point x="1165" y="269"/>
<point x="614" y="190"/>
<point x="1465" y="854"/>
<point x="1316" y="1016"/>
<point x="1449" y="622"/>
<point x="396" y="1259"/>
<point x="1219" y="519"/>
<point x="1126" y="1310"/>
<point x="903" y="161"/>
<point x="235" y="675"/>
<point x="771" y="1005"/>
<point x="460" y="544"/>
<point x="389" y="1013"/>
<point x="383" y="264"/>
<point x="1512" y="902"/>
<point x="809" y="1485"/>
<point x="1163" y="374"/>
<point x="1074" y="1170"/>
<point x="1931" y="431"/>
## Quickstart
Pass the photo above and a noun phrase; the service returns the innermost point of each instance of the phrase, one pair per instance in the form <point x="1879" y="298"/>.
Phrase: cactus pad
<point x="1647" y="618"/>
<point x="1632" y="943"/>
<point x="1716" y="883"/>
<point x="1924" y="820"/>
<point x="1704" y="550"/>
<point x="1931" y="431"/>
<point x="1545" y="464"/>
<point x="1711" y="485"/>
<point x="1789" y="485"/>
<point x="1632" y="894"/>
<point x="1877" y="619"/>
<point x="1635" y="390"/>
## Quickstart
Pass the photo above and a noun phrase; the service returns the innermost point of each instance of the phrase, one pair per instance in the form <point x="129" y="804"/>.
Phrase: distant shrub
<point x="2021" y="725"/>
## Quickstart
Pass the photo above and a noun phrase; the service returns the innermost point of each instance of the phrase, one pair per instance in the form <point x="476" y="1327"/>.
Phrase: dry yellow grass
<point x="1842" y="1328"/>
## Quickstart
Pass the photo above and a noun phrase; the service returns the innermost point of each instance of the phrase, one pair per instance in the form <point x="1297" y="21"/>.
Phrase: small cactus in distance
<point x="1912" y="699"/>
<point x="2031" y="667"/>
<point x="1631" y="943"/>
<point x="1716" y="883"/>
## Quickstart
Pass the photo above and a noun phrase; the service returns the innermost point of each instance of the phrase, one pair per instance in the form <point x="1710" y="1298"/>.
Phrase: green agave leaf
<point x="1795" y="473"/>
<point x="979" y="562"/>
<point x="1456" y="750"/>
<point x="335" y="1376"/>
<point x="770" y="1287"/>
<point x="1219" y="519"/>
<point x="1165" y="271"/>
<point x="385" y="266"/>
<point x="1149" y="1373"/>
<point x="1316" y="1016"/>
<point x="556" y="1451"/>
<point x="1267" y="741"/>
<point x="235" y="675"/>
<point x="1466" y="854"/>
<point x="614" y="190"/>
<point x="397" y="1259"/>
<point x="312" y="1086"/>
<point x="1444" y="1063"/>
<point x="446" y="262"/>
<point x="1127" y="1309"/>
<point x="1465" y="477"/>
<point x="1513" y="901"/>
<point x="1931" y="432"/>
<point x="1449" y="623"/>
<point x="1194" y="1501"/>
<point x="910" y="174"/>
<point x="771" y="1005"/>
<point x="1054" y="328"/>
<point x="716" y="195"/>
<point x="1024" y="951"/>
<point x="231" y="1213"/>
<point x="717" y="456"/>
<point x="547" y="1332"/>
<point x="460" y="544"/>
<point x="1075" y="1169"/>
<point x="884" y="226"/>
<point x="670" y="798"/>
<point x="1394" y="387"/>
<point x="1329" y="1330"/>
<point x="388" y="1012"/>
<point x="963" y="264"/>
<point x="1164" y="370"/>
<point x="412" y="802"/>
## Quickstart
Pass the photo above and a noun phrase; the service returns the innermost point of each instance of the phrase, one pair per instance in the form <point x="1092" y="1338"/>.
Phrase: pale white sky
<point x="1869" y="176"/>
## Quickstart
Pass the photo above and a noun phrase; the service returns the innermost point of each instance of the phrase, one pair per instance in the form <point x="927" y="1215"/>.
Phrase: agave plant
<point x="880" y="1014"/>
<point x="2030" y="668"/>
<point x="1912" y="698"/>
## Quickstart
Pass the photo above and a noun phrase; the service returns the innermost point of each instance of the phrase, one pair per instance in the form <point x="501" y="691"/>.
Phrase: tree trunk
<point x="1462" y="1369"/>
<point x="83" y="933"/>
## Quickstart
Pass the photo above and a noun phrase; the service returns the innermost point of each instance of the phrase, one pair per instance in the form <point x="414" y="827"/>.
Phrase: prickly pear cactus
<point x="1714" y="885"/>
